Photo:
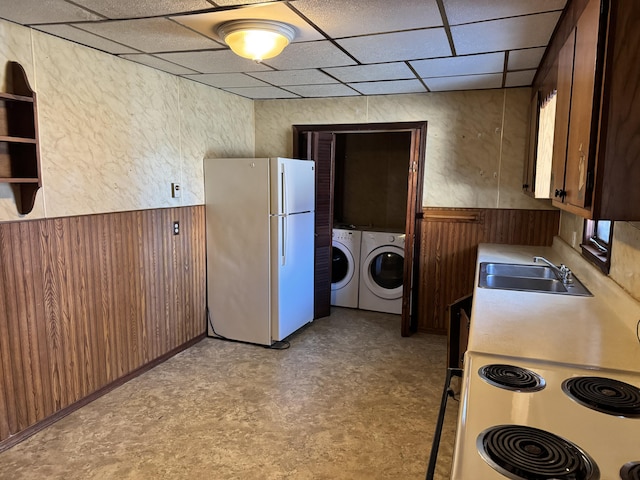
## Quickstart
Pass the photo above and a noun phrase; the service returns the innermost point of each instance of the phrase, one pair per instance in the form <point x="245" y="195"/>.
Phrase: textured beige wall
<point x="625" y="250"/>
<point x="114" y="134"/>
<point x="475" y="139"/>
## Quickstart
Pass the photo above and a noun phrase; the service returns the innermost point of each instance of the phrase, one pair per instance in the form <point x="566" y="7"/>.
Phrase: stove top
<point x="546" y="433"/>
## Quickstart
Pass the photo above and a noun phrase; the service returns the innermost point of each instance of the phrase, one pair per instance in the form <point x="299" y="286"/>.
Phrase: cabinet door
<point x="532" y="143"/>
<point x="584" y="103"/>
<point x="563" y="107"/>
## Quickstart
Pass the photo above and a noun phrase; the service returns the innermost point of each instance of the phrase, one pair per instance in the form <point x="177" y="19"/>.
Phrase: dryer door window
<point x="387" y="270"/>
<point x="382" y="272"/>
<point x="342" y="266"/>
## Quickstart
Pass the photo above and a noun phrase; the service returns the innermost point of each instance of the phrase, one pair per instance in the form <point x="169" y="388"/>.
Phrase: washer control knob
<point x="392" y="238"/>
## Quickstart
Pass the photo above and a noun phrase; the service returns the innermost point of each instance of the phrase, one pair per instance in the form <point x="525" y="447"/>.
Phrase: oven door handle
<point x="451" y="372"/>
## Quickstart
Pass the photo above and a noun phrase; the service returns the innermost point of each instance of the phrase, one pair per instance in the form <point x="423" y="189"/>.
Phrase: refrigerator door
<point x="294" y="186"/>
<point x="238" y="248"/>
<point x="292" y="268"/>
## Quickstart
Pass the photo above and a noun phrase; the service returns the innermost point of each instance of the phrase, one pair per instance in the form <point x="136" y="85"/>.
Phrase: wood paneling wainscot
<point x="87" y="302"/>
<point x="449" y="247"/>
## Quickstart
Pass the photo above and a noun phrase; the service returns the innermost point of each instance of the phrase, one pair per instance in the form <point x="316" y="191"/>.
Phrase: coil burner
<point x="512" y="378"/>
<point x="526" y="453"/>
<point x="630" y="471"/>
<point x="604" y="395"/>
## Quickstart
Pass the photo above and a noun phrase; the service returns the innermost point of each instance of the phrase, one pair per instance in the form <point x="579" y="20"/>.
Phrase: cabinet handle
<point x="560" y="193"/>
<point x="525" y="186"/>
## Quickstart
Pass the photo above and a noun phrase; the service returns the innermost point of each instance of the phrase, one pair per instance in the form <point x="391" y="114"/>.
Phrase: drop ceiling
<point x="342" y="47"/>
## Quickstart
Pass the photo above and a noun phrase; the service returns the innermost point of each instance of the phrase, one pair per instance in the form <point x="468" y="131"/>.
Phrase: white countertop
<point x="598" y="331"/>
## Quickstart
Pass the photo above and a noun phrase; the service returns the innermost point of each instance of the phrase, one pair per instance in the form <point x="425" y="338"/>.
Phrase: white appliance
<point x="381" y="272"/>
<point x="345" y="267"/>
<point x="540" y="424"/>
<point x="260" y="247"/>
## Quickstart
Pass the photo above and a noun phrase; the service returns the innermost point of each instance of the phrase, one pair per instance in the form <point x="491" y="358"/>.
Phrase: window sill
<point x="599" y="259"/>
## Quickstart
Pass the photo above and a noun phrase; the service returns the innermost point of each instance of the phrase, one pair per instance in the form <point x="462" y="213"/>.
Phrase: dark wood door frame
<point x="415" y="179"/>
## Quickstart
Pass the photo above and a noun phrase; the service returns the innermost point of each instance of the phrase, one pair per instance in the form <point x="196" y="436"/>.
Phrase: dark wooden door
<point x="320" y="146"/>
<point x="414" y="211"/>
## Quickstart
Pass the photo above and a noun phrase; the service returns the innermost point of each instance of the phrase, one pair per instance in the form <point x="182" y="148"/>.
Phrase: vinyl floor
<point x="350" y="399"/>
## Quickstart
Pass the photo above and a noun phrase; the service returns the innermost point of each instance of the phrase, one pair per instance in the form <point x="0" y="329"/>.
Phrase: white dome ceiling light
<point x="256" y="39"/>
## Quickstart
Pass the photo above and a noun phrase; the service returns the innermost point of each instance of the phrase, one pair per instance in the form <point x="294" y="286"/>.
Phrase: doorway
<point x="322" y="143"/>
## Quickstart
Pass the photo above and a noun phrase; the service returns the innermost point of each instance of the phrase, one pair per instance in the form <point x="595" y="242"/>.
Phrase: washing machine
<point x="345" y="267"/>
<point x="381" y="272"/>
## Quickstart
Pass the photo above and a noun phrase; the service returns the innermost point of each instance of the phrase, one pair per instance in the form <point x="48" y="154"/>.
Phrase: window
<point x="596" y="243"/>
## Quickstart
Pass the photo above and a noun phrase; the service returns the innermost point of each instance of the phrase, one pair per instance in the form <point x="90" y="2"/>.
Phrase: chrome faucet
<point x="562" y="272"/>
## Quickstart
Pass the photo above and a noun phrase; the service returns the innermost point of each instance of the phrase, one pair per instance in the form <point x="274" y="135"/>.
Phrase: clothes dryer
<point x="381" y="272"/>
<point x="345" y="267"/>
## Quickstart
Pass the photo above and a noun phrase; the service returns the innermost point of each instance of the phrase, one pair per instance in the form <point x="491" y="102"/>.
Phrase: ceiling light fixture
<point x="256" y="39"/>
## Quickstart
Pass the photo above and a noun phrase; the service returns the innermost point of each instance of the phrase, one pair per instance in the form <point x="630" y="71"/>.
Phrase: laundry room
<point x="369" y="212"/>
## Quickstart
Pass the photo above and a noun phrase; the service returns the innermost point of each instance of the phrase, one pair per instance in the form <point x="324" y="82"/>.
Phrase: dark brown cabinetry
<point x="19" y="153"/>
<point x="597" y="128"/>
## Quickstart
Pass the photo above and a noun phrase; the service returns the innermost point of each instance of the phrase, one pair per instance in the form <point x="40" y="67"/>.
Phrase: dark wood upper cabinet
<point x="597" y="130"/>
<point x="583" y="114"/>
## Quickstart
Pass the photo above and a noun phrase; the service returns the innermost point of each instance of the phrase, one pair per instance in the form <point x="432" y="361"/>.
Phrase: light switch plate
<point x="175" y="190"/>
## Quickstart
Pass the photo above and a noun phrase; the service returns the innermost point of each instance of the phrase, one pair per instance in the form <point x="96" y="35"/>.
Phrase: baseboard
<point x="44" y="423"/>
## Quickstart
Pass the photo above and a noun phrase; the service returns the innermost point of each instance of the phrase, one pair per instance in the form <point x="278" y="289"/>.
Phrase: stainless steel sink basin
<point x="517" y="270"/>
<point x="527" y="278"/>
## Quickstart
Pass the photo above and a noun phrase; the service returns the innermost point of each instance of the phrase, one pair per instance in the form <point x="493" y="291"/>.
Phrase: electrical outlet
<point x="175" y="190"/>
<point x="176" y="228"/>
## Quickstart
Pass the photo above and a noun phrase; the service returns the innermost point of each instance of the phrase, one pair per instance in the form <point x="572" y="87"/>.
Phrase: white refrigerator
<point x="260" y="247"/>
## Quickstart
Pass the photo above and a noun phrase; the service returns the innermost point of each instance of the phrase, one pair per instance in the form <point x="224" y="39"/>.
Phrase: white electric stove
<point x="538" y="431"/>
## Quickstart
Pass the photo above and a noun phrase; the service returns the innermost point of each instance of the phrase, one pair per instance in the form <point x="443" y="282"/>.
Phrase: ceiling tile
<point x="334" y="90"/>
<point x="261" y="92"/>
<point x="299" y="56"/>
<point x="294" y="77"/>
<point x="151" y="35"/>
<point x="223" y="80"/>
<point x="157" y="63"/>
<point x="523" y="78"/>
<point x="465" y="65"/>
<point x="389" y="87"/>
<point x="69" y="32"/>
<point x="206" y="23"/>
<point x="392" y="47"/>
<point x="467" y="82"/>
<point x="465" y="11"/>
<point x="30" y="12"/>
<point x="522" y="59"/>
<point x="364" y="73"/>
<point x="506" y="34"/>
<point x="338" y="18"/>
<point x="142" y="8"/>
<point x="217" y="61"/>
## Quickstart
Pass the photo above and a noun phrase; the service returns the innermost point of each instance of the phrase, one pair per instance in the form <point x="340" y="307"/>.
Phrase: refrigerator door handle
<point x="284" y="240"/>
<point x="283" y="191"/>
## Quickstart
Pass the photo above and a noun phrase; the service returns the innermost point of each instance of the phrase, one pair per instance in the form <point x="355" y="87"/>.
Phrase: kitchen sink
<point x="528" y="278"/>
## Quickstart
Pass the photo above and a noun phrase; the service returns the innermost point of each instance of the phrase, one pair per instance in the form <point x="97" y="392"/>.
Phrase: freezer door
<point x="238" y="249"/>
<point x="292" y="186"/>
<point x="291" y="273"/>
